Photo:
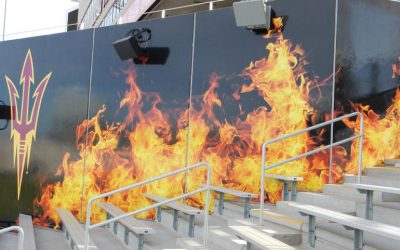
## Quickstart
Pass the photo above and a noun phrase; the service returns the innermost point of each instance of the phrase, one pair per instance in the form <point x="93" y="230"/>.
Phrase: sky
<point x="25" y="18"/>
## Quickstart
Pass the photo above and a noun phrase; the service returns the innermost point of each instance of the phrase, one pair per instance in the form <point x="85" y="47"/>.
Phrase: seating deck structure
<point x="177" y="207"/>
<point x="74" y="232"/>
<point x="243" y="195"/>
<point x="286" y="180"/>
<point x="130" y="224"/>
<point x="359" y="225"/>
<point x="341" y="217"/>
<point x="368" y="190"/>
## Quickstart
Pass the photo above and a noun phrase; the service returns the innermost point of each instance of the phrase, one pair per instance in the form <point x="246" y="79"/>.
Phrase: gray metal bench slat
<point x="25" y="222"/>
<point x="259" y="239"/>
<point x="131" y="223"/>
<point x="74" y="228"/>
<point x="374" y="227"/>
<point x="382" y="189"/>
<point x="284" y="178"/>
<point x="175" y="205"/>
<point x="233" y="192"/>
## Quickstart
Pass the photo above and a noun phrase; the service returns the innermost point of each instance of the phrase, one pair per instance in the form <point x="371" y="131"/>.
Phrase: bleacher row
<point x="254" y="237"/>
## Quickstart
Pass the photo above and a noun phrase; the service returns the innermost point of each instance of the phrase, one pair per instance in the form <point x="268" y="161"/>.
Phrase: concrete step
<point x="384" y="214"/>
<point x="286" y="235"/>
<point x="9" y="241"/>
<point x="336" y="203"/>
<point x="351" y="193"/>
<point x="384" y="171"/>
<point x="380" y="181"/>
<point x="104" y="240"/>
<point x="49" y="239"/>
<point x="272" y="214"/>
<point x="331" y="241"/>
<point x="334" y="236"/>
<point x="392" y="162"/>
<point x="224" y="238"/>
<point x="330" y="236"/>
<point x="191" y="244"/>
<point x="164" y="237"/>
<point x="167" y="219"/>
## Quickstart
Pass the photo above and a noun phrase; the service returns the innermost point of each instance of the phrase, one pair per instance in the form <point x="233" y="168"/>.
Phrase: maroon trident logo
<point x="23" y="125"/>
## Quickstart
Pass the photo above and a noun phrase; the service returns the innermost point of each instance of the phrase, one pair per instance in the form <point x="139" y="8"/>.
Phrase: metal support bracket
<point x="285" y="191"/>
<point x="221" y="203"/>
<point x="67" y="234"/>
<point x="126" y="236"/>
<point x="191" y="225"/>
<point x="249" y="246"/>
<point x="247" y="207"/>
<point x="140" y="241"/>
<point x="115" y="227"/>
<point x="369" y="205"/>
<point x="158" y="214"/>
<point x="175" y="222"/>
<point x="72" y="244"/>
<point x="311" y="230"/>
<point x="293" y="194"/>
<point x="108" y="216"/>
<point x="358" y="239"/>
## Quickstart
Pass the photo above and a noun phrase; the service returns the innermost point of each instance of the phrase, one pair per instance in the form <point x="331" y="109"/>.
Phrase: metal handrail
<point x="20" y="235"/>
<point x="330" y="122"/>
<point x="204" y="189"/>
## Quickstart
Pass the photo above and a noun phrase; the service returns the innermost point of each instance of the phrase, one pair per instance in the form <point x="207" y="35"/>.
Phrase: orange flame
<point x="396" y="69"/>
<point x="381" y="135"/>
<point x="233" y="148"/>
<point x="277" y="24"/>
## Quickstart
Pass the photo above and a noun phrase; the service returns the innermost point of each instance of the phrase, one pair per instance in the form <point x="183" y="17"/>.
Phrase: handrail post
<point x="207" y="205"/>
<point x="330" y="146"/>
<point x="359" y="170"/>
<point x="87" y="225"/>
<point x="264" y="152"/>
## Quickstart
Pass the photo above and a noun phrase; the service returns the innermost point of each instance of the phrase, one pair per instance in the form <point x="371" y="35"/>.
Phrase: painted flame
<point x="396" y="69"/>
<point x="147" y="144"/>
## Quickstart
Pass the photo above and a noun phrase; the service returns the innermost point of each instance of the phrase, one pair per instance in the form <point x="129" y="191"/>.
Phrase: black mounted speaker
<point x="128" y="48"/>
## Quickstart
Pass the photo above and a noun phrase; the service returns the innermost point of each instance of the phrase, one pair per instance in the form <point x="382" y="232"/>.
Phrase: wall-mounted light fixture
<point x="130" y="47"/>
<point x="252" y="14"/>
<point x="134" y="46"/>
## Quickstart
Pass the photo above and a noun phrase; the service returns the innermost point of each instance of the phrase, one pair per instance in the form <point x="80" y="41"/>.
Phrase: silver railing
<point x="204" y="189"/>
<point x="330" y="122"/>
<point x="20" y="235"/>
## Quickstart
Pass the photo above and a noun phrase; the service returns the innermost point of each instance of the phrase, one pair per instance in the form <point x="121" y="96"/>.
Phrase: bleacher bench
<point x="359" y="225"/>
<point x="130" y="224"/>
<point x="25" y="222"/>
<point x="286" y="180"/>
<point x="368" y="190"/>
<point x="254" y="237"/>
<point x="74" y="231"/>
<point x="243" y="195"/>
<point x="177" y="206"/>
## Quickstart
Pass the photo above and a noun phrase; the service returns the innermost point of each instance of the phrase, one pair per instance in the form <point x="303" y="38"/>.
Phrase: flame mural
<point x="118" y="154"/>
<point x="378" y="130"/>
<point x="233" y="148"/>
<point x="23" y="125"/>
<point x="396" y="69"/>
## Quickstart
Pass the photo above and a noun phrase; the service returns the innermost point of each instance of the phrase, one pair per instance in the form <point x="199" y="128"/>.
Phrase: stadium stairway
<point x="283" y="228"/>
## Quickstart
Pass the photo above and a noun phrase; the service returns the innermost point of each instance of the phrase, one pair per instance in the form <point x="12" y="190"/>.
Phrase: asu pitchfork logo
<point x="24" y="119"/>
